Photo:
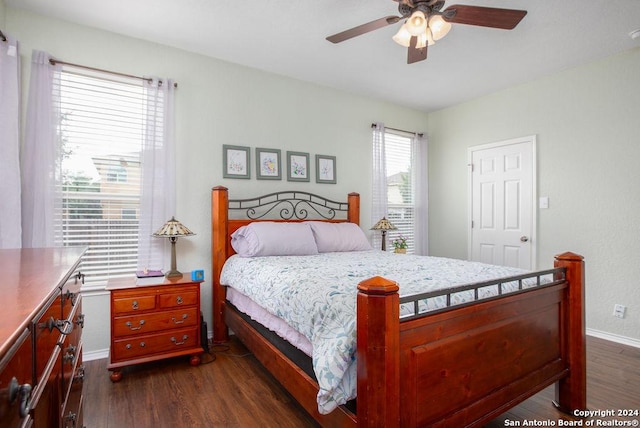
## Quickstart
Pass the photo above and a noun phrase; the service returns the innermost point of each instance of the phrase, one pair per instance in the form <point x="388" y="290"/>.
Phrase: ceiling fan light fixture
<point x="402" y="37"/>
<point x="439" y="27"/>
<point x="417" y="23"/>
<point x="425" y="39"/>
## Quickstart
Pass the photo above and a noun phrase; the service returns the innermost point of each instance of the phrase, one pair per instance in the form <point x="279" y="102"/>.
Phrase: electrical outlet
<point x="619" y="310"/>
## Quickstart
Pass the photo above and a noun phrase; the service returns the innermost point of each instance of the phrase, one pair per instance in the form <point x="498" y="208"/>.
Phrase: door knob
<point x="524" y="239"/>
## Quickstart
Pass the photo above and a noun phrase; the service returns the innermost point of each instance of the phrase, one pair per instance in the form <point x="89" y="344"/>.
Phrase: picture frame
<point x="326" y="169"/>
<point x="268" y="165"/>
<point x="236" y="161"/>
<point x="297" y="166"/>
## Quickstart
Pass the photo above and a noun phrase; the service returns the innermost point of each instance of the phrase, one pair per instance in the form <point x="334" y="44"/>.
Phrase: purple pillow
<point x="268" y="238"/>
<point x="336" y="237"/>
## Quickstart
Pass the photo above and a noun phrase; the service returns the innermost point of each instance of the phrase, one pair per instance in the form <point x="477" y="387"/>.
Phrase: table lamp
<point x="172" y="229"/>
<point x="383" y="224"/>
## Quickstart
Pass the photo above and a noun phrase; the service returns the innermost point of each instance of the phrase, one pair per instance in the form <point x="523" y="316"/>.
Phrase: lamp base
<point x="173" y="274"/>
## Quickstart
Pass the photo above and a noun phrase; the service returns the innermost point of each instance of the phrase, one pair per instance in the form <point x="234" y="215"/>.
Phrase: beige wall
<point x="587" y="123"/>
<point x="221" y="103"/>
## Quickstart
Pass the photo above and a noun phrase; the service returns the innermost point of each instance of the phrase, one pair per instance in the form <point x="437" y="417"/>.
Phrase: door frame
<point x="533" y="240"/>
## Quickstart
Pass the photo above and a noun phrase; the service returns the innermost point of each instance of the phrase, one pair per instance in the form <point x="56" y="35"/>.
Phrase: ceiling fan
<point x="425" y="23"/>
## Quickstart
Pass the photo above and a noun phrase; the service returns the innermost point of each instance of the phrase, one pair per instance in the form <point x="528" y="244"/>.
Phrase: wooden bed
<point x="462" y="366"/>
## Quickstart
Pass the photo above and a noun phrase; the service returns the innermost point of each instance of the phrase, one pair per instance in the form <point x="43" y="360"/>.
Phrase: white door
<point x="502" y="203"/>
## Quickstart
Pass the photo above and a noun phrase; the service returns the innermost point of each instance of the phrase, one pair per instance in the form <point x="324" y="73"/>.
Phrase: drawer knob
<point x="142" y="344"/>
<point x="131" y="327"/>
<point x="21" y="392"/>
<point x="128" y="346"/>
<point x="134" y="305"/>
<point x="80" y="376"/>
<point x="80" y="320"/>
<point x="184" y="339"/>
<point x="70" y="296"/>
<point x="175" y="321"/>
<point x="179" y="300"/>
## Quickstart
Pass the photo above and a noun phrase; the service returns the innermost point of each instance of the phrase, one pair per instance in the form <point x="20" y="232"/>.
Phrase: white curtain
<point x="40" y="156"/>
<point x="379" y="191"/>
<point x="420" y="184"/>
<point x="10" y="218"/>
<point x="158" y="199"/>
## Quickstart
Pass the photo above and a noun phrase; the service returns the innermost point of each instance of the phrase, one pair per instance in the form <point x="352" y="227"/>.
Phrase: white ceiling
<point x="288" y="38"/>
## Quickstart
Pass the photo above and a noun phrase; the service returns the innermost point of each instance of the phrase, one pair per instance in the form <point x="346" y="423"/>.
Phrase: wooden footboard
<point x="465" y="366"/>
<point x="462" y="366"/>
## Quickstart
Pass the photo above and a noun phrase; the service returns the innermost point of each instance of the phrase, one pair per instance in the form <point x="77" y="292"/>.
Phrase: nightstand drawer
<point x="157" y="321"/>
<point x="177" y="299"/>
<point x="128" y="304"/>
<point x="147" y="345"/>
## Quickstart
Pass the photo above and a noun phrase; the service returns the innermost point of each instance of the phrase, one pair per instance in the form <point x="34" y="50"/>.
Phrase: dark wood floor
<point x="235" y="391"/>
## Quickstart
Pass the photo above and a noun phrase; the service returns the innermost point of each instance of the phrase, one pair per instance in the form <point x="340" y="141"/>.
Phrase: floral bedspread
<point x="316" y="295"/>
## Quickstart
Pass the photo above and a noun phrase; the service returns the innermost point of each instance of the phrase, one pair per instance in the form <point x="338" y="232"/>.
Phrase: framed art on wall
<point x="325" y="169"/>
<point x="268" y="164"/>
<point x="297" y="166"/>
<point x="236" y="161"/>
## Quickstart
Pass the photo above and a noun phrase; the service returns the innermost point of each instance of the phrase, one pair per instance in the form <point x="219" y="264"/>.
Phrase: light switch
<point x="544" y="202"/>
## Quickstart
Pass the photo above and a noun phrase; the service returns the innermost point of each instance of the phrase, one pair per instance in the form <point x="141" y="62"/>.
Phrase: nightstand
<point x="153" y="319"/>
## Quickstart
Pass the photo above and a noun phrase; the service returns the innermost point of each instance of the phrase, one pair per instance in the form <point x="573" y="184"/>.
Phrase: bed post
<point x="219" y="228"/>
<point x="353" y="215"/>
<point x="571" y="391"/>
<point x="378" y="350"/>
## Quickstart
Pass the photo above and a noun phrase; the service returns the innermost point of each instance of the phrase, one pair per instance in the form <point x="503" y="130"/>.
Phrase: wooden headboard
<point x="278" y="206"/>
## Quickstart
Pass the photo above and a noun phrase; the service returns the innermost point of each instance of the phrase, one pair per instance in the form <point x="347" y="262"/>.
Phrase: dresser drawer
<point x="47" y="331"/>
<point x="179" y="298"/>
<point x="72" y="404"/>
<point x="128" y="325"/>
<point x="133" y="303"/>
<point x="16" y="376"/>
<point x="147" y="345"/>
<point x="71" y="347"/>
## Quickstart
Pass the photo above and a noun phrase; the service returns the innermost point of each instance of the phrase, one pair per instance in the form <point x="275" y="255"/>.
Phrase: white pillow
<point x="268" y="238"/>
<point x="335" y="237"/>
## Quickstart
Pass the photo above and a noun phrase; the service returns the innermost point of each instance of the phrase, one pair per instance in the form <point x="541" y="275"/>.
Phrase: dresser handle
<point x="23" y="392"/>
<point x="184" y="340"/>
<point x="179" y="300"/>
<point x="184" y="317"/>
<point x="128" y="324"/>
<point x="142" y="344"/>
<point x="128" y="346"/>
<point x="65" y="327"/>
<point x="134" y="305"/>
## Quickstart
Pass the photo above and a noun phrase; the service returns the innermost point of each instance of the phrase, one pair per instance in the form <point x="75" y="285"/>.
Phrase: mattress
<point x="311" y="301"/>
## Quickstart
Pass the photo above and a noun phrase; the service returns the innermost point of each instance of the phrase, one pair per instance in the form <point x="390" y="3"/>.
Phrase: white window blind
<point x="101" y="126"/>
<point x="400" y="188"/>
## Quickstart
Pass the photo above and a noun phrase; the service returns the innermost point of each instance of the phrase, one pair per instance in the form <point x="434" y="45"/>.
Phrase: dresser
<point x="153" y="319"/>
<point x="41" y="321"/>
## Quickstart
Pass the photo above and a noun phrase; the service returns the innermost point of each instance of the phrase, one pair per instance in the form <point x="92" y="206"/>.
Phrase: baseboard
<point x="95" y="355"/>
<point x="614" y="338"/>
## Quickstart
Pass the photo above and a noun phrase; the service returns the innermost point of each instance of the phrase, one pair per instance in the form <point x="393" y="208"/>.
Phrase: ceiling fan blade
<point x="364" y="28"/>
<point x="505" y="19"/>
<point x="415" y="54"/>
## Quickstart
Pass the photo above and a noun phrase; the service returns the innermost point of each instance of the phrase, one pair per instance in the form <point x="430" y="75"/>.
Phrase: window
<point x="400" y="194"/>
<point x="400" y="186"/>
<point x="100" y="130"/>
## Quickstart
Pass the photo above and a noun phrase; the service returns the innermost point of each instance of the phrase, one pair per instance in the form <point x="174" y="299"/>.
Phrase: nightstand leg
<point x="195" y="360"/>
<point x="115" y="376"/>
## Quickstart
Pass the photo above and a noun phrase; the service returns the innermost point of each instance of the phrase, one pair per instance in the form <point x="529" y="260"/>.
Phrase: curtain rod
<point x="2" y="36"/>
<point x="420" y="134"/>
<point x="57" y="61"/>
